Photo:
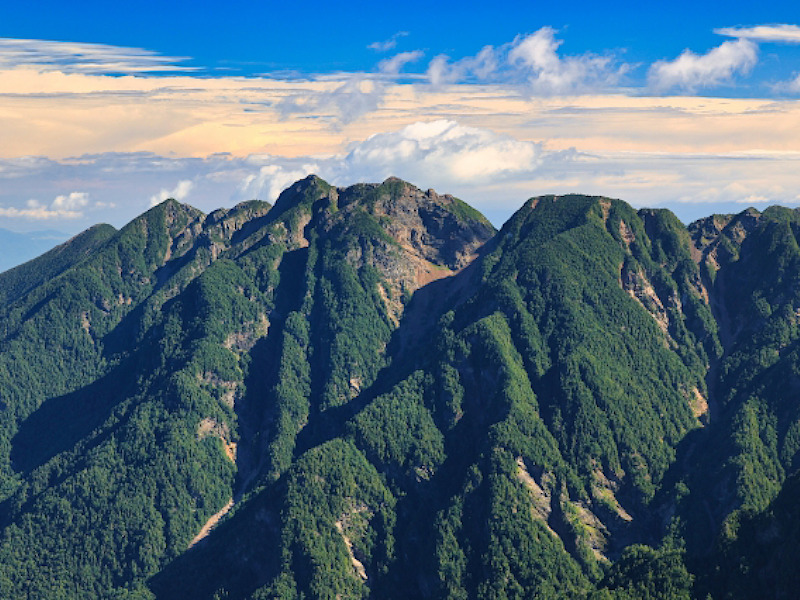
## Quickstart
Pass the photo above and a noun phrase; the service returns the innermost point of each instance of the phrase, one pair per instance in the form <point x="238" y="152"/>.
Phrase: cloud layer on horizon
<point x="510" y="121"/>
<point x="493" y="172"/>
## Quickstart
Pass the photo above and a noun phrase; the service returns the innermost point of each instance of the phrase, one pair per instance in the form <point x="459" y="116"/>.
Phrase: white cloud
<point x="356" y="96"/>
<point x="691" y="71"/>
<point x="67" y="206"/>
<point x="480" y="146"/>
<point x="438" y="153"/>
<point x="533" y="61"/>
<point x="392" y="66"/>
<point x="548" y="73"/>
<point x="75" y="57"/>
<point x="481" y="67"/>
<point x="41" y="213"/>
<point x="389" y="44"/>
<point x="792" y="86"/>
<point x="179" y="192"/>
<point x="789" y="34"/>
<point x="72" y="201"/>
<point x="271" y="180"/>
<point x="739" y="192"/>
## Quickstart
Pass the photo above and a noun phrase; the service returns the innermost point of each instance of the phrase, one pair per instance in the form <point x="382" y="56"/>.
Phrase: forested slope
<point x="377" y="395"/>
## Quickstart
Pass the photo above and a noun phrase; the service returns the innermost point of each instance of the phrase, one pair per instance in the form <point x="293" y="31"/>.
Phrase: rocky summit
<point x="368" y="392"/>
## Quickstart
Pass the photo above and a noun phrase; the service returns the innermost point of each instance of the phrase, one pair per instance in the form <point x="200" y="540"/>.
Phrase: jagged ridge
<point x="355" y="370"/>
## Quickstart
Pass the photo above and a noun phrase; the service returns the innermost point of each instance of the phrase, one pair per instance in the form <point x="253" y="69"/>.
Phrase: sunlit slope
<point x="372" y="393"/>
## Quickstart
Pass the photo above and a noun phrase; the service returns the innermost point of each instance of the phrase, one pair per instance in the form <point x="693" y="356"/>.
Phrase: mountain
<point x="21" y="247"/>
<point x="369" y="392"/>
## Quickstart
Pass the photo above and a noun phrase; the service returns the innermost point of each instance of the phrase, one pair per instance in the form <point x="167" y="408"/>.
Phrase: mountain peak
<point x="355" y="370"/>
<point x="302" y="192"/>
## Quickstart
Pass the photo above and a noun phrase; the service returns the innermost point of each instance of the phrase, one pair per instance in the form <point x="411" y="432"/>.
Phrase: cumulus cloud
<point x="438" y="152"/>
<point x="691" y="71"/>
<point x="179" y="192"/>
<point x="75" y="57"/>
<point x="635" y="148"/>
<point x="789" y="34"/>
<point x="389" y="44"/>
<point x="441" y="154"/>
<point x="496" y="172"/>
<point x="534" y="61"/>
<point x="72" y="201"/>
<point x="548" y="73"/>
<point x="67" y="206"/>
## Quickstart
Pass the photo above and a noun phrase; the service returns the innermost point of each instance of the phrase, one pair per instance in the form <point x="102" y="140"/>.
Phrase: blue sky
<point x="106" y="108"/>
<point x="313" y="37"/>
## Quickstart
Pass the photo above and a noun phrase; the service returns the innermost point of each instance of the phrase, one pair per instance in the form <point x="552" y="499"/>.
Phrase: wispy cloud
<point x="690" y="71"/>
<point x="355" y="96"/>
<point x="133" y="140"/>
<point x="738" y="192"/>
<point x="493" y="171"/>
<point x="389" y="44"/>
<point x="481" y="67"/>
<point x="789" y="34"/>
<point x="788" y="87"/>
<point x="393" y="65"/>
<point x="74" y="57"/>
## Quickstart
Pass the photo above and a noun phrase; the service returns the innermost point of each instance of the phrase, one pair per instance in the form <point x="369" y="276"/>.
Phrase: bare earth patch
<point x="211" y="523"/>
<point x="359" y="566"/>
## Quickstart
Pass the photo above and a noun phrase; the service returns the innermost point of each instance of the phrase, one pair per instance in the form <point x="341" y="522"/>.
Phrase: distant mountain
<point x="368" y="392"/>
<point x="16" y="248"/>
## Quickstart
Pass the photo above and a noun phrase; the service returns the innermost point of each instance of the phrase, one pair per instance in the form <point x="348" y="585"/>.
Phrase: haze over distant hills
<point x="370" y="392"/>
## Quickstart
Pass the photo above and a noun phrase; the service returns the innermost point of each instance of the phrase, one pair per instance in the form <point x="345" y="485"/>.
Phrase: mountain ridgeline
<point x="368" y="392"/>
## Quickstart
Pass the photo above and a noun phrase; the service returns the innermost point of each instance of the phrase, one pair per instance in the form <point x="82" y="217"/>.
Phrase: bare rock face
<point x="439" y="229"/>
<point x="425" y="236"/>
<point x="435" y="236"/>
<point x="718" y="238"/>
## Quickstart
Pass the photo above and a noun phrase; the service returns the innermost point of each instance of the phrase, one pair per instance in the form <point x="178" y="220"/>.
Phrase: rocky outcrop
<point x="426" y="236"/>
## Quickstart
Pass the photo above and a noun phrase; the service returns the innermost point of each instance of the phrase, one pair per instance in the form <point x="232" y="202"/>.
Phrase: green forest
<point x="369" y="392"/>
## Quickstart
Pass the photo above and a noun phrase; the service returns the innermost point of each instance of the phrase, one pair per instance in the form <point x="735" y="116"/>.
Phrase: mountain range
<point x="369" y="392"/>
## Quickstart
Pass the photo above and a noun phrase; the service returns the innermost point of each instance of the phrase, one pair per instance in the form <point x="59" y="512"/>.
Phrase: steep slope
<point x="137" y="369"/>
<point x="99" y="419"/>
<point x="367" y="392"/>
<point x="756" y="554"/>
<point x="750" y="263"/>
<point x="523" y="437"/>
<point x="576" y="394"/>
